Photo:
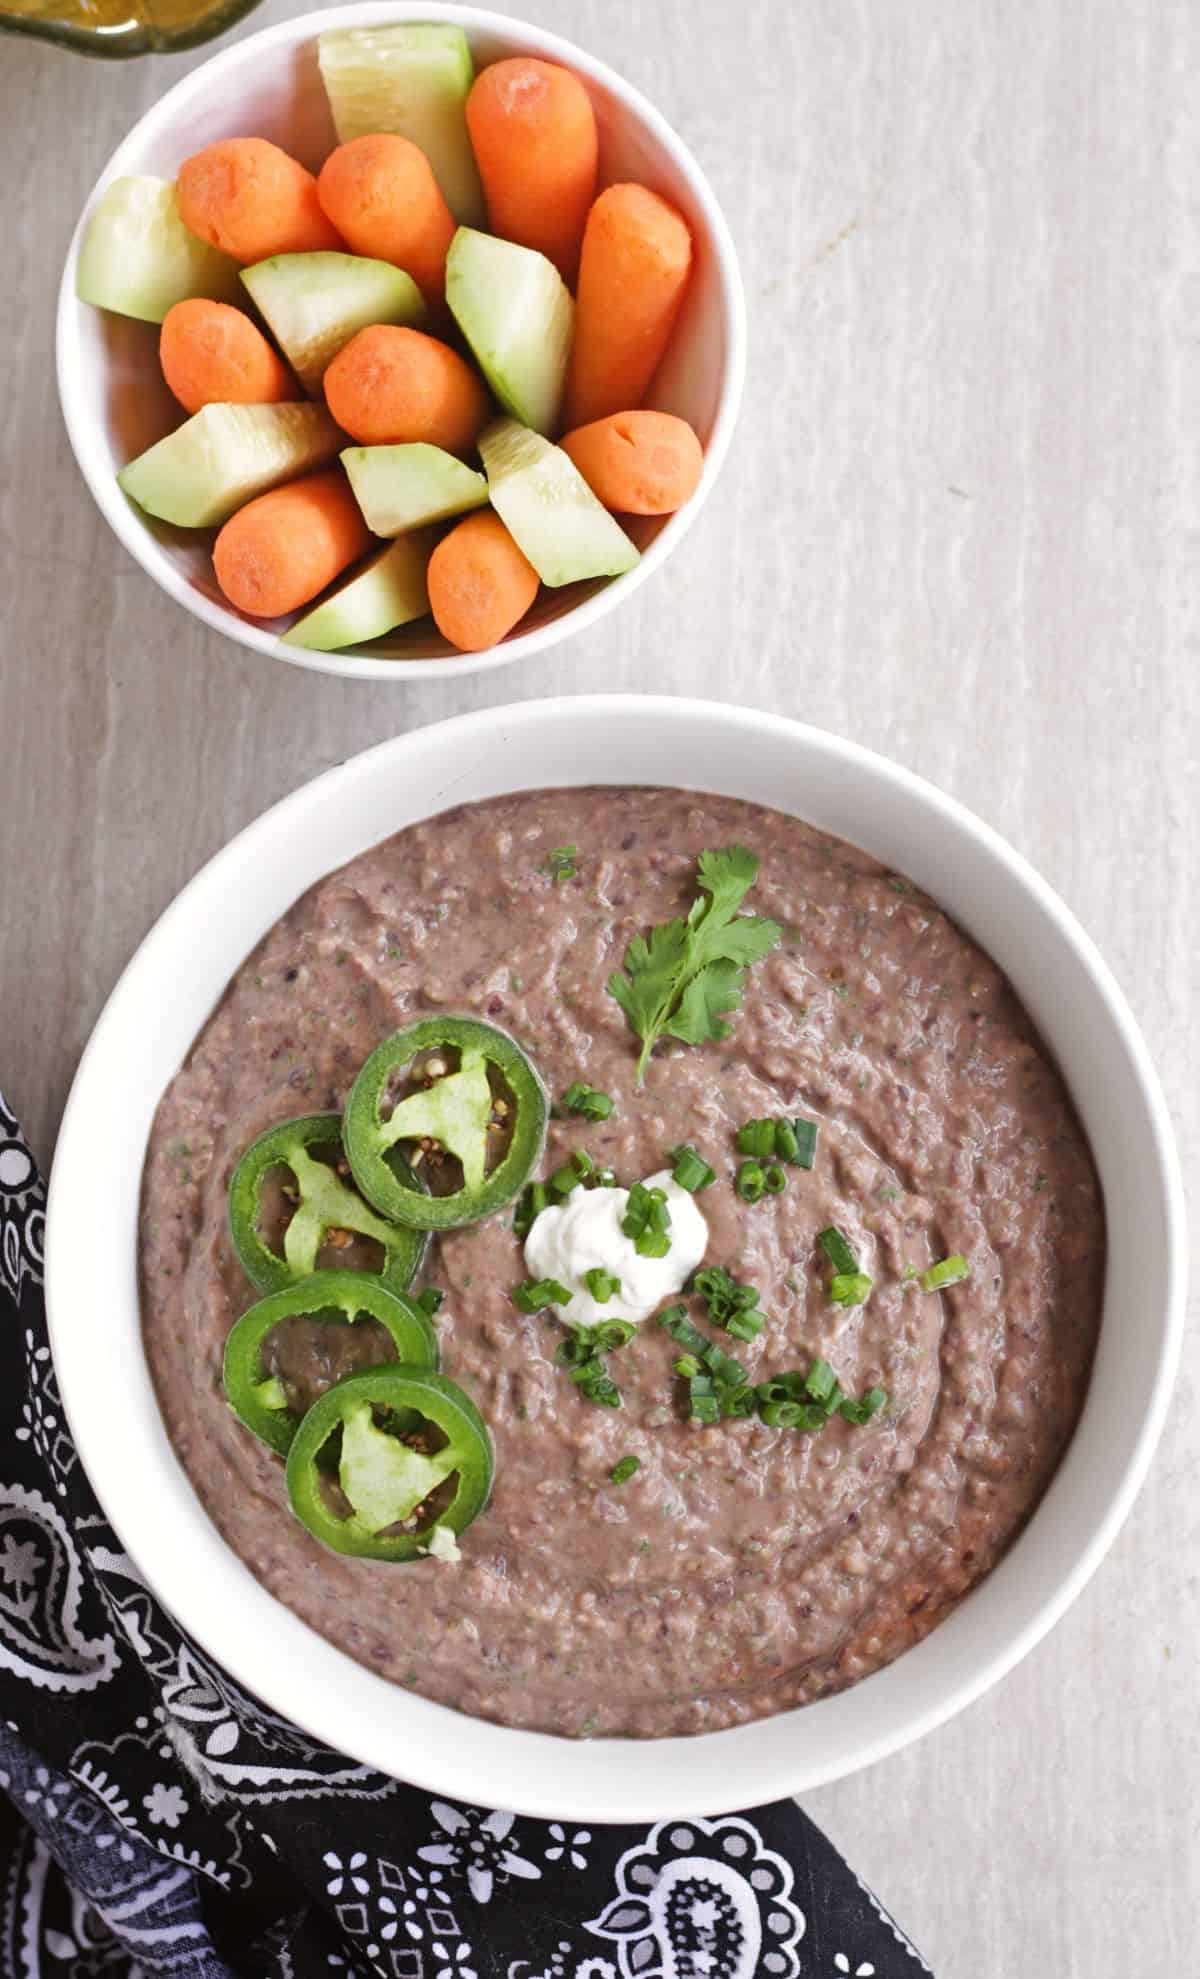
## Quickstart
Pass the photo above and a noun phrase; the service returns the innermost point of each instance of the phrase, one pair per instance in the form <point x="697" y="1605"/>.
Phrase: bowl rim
<point x="236" y="1631"/>
<point x="140" y="543"/>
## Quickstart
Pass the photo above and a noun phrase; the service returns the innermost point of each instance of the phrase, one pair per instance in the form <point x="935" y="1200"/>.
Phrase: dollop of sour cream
<point x="585" y="1232"/>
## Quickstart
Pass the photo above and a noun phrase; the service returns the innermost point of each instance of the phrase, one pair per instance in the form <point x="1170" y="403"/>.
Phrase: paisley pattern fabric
<point x="157" y="1820"/>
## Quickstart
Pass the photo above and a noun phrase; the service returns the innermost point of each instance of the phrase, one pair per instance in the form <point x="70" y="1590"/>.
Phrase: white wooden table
<point x="960" y="523"/>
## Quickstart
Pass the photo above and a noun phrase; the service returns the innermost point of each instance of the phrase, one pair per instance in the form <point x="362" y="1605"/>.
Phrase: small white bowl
<point x="181" y="970"/>
<point x="115" y="402"/>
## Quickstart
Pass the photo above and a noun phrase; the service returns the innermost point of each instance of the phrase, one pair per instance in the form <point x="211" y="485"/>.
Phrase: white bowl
<point x="115" y="402"/>
<point x="181" y="970"/>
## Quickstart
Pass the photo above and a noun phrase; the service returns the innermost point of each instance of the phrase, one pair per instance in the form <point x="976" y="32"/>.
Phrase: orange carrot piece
<point x="250" y="199"/>
<point x="534" y="132"/>
<point x="381" y="195"/>
<point x="638" y="463"/>
<point x="479" y="583"/>
<point x="214" y="355"/>
<point x="637" y="252"/>
<point x="389" y="385"/>
<point x="285" y="546"/>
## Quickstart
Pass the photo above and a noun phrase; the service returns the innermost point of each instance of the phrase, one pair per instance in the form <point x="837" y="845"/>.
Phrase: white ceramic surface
<point x="115" y="402"/>
<point x="181" y="970"/>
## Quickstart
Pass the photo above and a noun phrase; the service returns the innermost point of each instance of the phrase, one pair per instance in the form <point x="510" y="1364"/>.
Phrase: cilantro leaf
<point x="682" y="978"/>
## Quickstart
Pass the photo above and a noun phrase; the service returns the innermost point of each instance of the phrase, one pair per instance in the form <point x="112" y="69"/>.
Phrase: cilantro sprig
<point x="681" y="979"/>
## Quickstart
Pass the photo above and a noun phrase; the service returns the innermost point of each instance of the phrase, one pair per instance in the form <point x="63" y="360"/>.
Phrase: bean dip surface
<point x="744" y="1569"/>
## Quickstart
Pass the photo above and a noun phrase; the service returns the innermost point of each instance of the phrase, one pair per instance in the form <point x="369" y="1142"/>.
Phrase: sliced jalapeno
<point x="459" y="1113"/>
<point x="411" y="1453"/>
<point x="326" y="1207"/>
<point x="271" y="1390"/>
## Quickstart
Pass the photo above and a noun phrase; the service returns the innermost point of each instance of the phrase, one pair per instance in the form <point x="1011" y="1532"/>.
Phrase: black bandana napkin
<point x="157" y="1820"/>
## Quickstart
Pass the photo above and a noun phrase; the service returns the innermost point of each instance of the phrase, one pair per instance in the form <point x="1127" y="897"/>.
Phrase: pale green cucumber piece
<point x="223" y="456"/>
<point x="382" y="594"/>
<point x="315" y="303"/>
<point x="548" y="508"/>
<point x="413" y="78"/>
<point x="139" y="259"/>
<point x="516" y="312"/>
<point x="402" y="487"/>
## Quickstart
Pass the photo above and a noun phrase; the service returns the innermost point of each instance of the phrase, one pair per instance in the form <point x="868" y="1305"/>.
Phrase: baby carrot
<point x="391" y="385"/>
<point x="382" y="197"/>
<point x="534" y="134"/>
<point x="281" y="549"/>
<point x="637" y="252"/>
<point x="479" y="582"/>
<point x="247" y="197"/>
<point x="214" y="355"/>
<point x="638" y="463"/>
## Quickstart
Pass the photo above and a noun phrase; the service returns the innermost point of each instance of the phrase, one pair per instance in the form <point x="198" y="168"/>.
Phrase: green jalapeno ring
<point x="326" y="1203"/>
<point x="456" y="1111"/>
<point x="349" y="1294"/>
<point x="383" y="1479"/>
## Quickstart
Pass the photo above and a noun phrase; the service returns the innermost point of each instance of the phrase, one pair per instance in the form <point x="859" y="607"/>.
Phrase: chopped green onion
<point x="948" y="1271"/>
<point x="756" y="1137"/>
<point x="652" y="1243"/>
<point x="647" y="1220"/>
<point x="861" y="1411"/>
<point x="430" y="1299"/>
<point x="837" y="1250"/>
<point x="587" y="1101"/>
<point x="820" y="1381"/>
<point x="627" y="1468"/>
<point x="573" y="1171"/>
<point x="689" y="1171"/>
<point x="806" y="1143"/>
<point x="785" y="1140"/>
<point x="530" y="1207"/>
<point x="739" y="1401"/>
<point x="850" y="1288"/>
<point x="561" y="863"/>
<point x="611" y="1334"/>
<point x="745" y="1325"/>
<point x="722" y="1366"/>
<point x="704" y="1405"/>
<point x="603" y="1178"/>
<point x="750" y="1182"/>
<point x="681" y="1330"/>
<point x="602" y="1284"/>
<point x="603" y="1391"/>
<point x="774" y="1179"/>
<point x="782" y="1415"/>
<point x="537" y="1293"/>
<point x="687" y="1365"/>
<point x="590" y="1368"/>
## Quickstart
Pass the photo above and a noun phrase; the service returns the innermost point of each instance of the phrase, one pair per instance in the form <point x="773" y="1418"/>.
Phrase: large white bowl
<point x="115" y="402"/>
<point x="181" y="970"/>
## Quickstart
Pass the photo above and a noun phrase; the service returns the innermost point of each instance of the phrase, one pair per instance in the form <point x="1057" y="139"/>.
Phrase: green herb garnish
<point x="602" y="1285"/>
<point x="750" y="1182"/>
<point x="680" y="979"/>
<point x="688" y="1170"/>
<point x="561" y="864"/>
<point x="535" y="1294"/>
<point x="837" y="1250"/>
<point x="647" y="1220"/>
<point x="587" y="1101"/>
<point x="627" y="1468"/>
<point x="850" y="1288"/>
<point x="575" y="1169"/>
<point x="774" y="1178"/>
<point x="860" y="1412"/>
<point x="430" y="1299"/>
<point x="793" y="1141"/>
<point x="948" y="1271"/>
<point x="533" y="1201"/>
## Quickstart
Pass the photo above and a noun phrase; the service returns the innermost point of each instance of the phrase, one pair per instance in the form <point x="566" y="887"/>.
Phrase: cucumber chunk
<point x="139" y="259"/>
<point x="413" y="78"/>
<point x="223" y="456"/>
<point x="315" y="303"/>
<point x="401" y="487"/>
<point x="548" y="508"/>
<point x="386" y="592"/>
<point x="516" y="312"/>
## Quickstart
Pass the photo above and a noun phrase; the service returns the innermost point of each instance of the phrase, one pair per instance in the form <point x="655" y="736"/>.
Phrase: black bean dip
<point x="744" y="1569"/>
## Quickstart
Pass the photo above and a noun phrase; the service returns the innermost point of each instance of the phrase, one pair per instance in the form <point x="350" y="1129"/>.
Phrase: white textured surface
<point x="960" y="523"/>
